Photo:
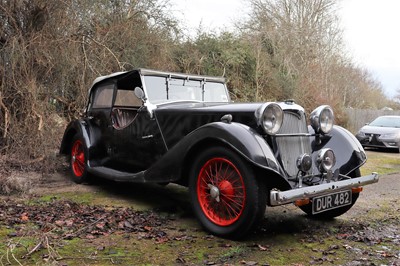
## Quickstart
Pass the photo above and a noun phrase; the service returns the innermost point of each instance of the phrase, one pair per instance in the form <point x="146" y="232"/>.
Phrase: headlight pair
<point x="270" y="117"/>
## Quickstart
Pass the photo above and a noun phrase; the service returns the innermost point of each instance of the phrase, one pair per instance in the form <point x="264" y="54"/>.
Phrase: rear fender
<point x="73" y="128"/>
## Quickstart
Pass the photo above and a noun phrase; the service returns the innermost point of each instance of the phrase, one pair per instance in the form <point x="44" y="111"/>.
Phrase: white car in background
<point x="383" y="132"/>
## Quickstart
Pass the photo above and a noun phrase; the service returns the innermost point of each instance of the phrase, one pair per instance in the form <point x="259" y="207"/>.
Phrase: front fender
<point x="241" y="138"/>
<point x="350" y="155"/>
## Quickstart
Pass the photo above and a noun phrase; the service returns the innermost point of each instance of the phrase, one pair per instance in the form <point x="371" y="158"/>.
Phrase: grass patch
<point x="235" y="251"/>
<point x="383" y="163"/>
<point x="101" y="198"/>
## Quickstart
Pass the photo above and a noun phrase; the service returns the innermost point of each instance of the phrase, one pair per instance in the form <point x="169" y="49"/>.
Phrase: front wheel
<point x="226" y="196"/>
<point x="335" y="212"/>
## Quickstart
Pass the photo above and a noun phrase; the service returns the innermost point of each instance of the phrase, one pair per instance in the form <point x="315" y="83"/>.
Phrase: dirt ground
<point x="369" y="234"/>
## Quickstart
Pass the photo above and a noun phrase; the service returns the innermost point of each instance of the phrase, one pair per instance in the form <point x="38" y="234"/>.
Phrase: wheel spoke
<point x="209" y="176"/>
<point x="80" y="164"/>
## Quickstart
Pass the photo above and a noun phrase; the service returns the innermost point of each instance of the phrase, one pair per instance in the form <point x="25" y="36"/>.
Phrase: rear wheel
<point x="78" y="160"/>
<point x="226" y="196"/>
<point x="335" y="212"/>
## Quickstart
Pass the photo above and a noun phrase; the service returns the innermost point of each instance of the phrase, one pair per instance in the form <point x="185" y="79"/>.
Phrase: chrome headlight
<point x="322" y="119"/>
<point x="270" y="117"/>
<point x="389" y="136"/>
<point x="326" y="159"/>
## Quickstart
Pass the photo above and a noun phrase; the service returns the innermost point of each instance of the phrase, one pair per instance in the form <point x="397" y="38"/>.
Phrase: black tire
<point x="335" y="212"/>
<point x="78" y="160"/>
<point x="226" y="196"/>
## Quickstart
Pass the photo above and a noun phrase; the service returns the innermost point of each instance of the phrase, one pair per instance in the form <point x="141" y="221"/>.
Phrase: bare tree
<point x="302" y="40"/>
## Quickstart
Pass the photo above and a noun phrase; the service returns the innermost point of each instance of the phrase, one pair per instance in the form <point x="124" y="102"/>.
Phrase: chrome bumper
<point x="289" y="196"/>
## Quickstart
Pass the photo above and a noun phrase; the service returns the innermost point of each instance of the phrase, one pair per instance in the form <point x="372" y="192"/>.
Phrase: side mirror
<point x="139" y="93"/>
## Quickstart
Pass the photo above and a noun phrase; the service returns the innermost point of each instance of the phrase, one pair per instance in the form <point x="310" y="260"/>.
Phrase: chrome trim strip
<point x="289" y="196"/>
<point x="150" y="72"/>
<point x="295" y="135"/>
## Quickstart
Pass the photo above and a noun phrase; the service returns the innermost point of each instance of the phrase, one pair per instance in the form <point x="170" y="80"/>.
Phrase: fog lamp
<point x="304" y="162"/>
<point x="326" y="159"/>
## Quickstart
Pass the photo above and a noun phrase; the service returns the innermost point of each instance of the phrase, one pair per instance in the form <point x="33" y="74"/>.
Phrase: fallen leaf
<point x="262" y="248"/>
<point x="59" y="223"/>
<point x="148" y="228"/>
<point x="180" y="260"/>
<point x="347" y="246"/>
<point x="24" y="217"/>
<point x="250" y="263"/>
<point x="12" y="234"/>
<point x="100" y="226"/>
<point x="128" y="224"/>
<point x="90" y="236"/>
<point x="333" y="247"/>
<point x="161" y="240"/>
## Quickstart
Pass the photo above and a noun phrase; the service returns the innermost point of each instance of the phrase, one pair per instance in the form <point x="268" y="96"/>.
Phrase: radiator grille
<point x="290" y="148"/>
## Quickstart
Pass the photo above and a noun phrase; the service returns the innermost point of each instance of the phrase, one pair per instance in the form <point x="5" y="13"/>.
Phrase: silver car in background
<point x="383" y="132"/>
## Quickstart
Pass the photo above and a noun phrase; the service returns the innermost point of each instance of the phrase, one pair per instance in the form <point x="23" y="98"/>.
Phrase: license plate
<point x="331" y="201"/>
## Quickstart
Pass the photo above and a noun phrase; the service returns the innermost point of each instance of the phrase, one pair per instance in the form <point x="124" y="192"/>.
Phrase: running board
<point x="116" y="175"/>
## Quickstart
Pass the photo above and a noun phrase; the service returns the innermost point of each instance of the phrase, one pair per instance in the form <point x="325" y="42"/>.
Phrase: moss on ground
<point x="382" y="163"/>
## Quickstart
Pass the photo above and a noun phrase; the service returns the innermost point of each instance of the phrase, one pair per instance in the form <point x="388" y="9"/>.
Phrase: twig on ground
<point x="33" y="250"/>
<point x="10" y="249"/>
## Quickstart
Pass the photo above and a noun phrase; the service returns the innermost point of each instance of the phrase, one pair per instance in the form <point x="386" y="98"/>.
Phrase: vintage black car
<point x="236" y="158"/>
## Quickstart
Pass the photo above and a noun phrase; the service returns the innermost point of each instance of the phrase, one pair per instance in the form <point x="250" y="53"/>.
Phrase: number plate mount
<point x="331" y="201"/>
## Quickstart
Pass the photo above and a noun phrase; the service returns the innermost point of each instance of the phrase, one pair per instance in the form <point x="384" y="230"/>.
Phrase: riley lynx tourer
<point x="236" y="158"/>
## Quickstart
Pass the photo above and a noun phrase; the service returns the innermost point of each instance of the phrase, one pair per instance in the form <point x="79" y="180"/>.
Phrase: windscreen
<point x="163" y="89"/>
<point x="386" y="121"/>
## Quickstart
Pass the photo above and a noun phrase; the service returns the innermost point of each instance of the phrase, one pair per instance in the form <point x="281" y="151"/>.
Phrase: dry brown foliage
<point x="51" y="51"/>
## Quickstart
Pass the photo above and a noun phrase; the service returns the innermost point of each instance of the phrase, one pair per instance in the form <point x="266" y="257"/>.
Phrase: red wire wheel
<point x="226" y="195"/>
<point x="221" y="191"/>
<point x="78" y="160"/>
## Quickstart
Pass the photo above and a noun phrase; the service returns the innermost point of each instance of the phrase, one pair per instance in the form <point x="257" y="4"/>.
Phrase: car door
<point x="136" y="137"/>
<point x="99" y="110"/>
